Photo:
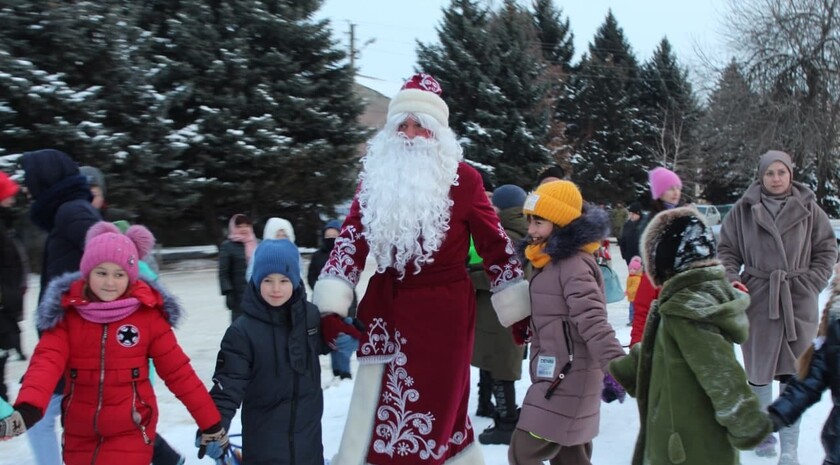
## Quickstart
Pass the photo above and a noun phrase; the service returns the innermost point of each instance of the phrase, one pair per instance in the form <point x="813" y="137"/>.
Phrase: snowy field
<point x="200" y="332"/>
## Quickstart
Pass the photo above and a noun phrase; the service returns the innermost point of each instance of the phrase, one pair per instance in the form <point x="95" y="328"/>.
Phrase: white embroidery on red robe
<point x="343" y="265"/>
<point x="402" y="430"/>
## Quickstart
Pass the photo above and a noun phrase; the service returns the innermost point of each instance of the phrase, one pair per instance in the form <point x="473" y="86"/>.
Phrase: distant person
<point x="634" y="278"/>
<point x="495" y="353"/>
<point x="777" y="244"/>
<point x="340" y="360"/>
<point x="279" y="228"/>
<point x="234" y="255"/>
<point x="98" y="189"/>
<point x="695" y="407"/>
<point x="631" y="233"/>
<point x="551" y="173"/>
<point x="61" y="206"/>
<point x="13" y="273"/>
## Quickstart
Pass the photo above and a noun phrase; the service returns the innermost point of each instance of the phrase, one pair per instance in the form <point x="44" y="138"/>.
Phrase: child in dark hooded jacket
<point x="819" y="369"/>
<point x="268" y="363"/>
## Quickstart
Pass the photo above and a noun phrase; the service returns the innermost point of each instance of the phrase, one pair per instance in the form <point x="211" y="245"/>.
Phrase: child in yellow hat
<point x="571" y="339"/>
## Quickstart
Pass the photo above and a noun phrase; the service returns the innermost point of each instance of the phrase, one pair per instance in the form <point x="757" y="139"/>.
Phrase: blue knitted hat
<point x="333" y="224"/>
<point x="508" y="196"/>
<point x="276" y="256"/>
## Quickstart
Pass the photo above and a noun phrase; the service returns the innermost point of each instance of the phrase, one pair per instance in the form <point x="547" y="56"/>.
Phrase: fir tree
<point x="610" y="163"/>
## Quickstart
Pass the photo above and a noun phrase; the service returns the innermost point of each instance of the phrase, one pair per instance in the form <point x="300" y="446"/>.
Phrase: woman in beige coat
<point x="787" y="248"/>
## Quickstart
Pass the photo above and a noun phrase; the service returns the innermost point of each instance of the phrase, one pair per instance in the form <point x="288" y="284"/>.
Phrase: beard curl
<point x="404" y="195"/>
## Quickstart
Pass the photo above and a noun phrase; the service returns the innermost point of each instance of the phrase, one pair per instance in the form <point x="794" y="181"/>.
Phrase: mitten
<point x="212" y="442"/>
<point x="15" y="424"/>
<point x="521" y="331"/>
<point x="612" y="390"/>
<point x="333" y="325"/>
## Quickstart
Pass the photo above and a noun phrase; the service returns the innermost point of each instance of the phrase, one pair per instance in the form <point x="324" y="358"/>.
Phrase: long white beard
<point x="404" y="197"/>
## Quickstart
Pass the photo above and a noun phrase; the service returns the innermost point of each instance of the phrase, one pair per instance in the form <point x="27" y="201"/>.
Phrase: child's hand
<point x="212" y="442"/>
<point x="521" y="331"/>
<point x="612" y="390"/>
<point x="740" y="286"/>
<point x="17" y="422"/>
<point x="332" y="326"/>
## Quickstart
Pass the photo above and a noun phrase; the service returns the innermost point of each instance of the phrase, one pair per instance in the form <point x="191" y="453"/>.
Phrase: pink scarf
<point x="249" y="239"/>
<point x="108" y="312"/>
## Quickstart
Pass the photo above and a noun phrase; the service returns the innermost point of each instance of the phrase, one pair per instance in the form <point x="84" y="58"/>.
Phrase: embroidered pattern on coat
<point x="512" y="270"/>
<point x="342" y="264"/>
<point x="401" y="430"/>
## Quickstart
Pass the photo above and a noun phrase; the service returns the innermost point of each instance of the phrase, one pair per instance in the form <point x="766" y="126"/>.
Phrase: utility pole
<point x="353" y="47"/>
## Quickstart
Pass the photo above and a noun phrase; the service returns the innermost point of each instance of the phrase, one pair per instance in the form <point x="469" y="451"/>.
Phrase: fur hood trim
<point x="50" y="312"/>
<point x="653" y="234"/>
<point x="592" y="226"/>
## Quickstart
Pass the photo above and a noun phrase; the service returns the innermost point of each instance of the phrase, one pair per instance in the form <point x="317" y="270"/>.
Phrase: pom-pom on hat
<point x="508" y="196"/>
<point x="661" y="179"/>
<point x="421" y="94"/>
<point x="8" y="186"/>
<point x="276" y="256"/>
<point x="557" y="201"/>
<point x="105" y="243"/>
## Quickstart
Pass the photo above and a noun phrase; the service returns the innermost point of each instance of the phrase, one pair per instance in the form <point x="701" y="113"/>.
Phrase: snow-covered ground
<point x="197" y="287"/>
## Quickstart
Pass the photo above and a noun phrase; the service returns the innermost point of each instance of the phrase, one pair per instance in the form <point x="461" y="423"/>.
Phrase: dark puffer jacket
<point x="232" y="270"/>
<point x="823" y="373"/>
<point x="13" y="270"/>
<point x="268" y="363"/>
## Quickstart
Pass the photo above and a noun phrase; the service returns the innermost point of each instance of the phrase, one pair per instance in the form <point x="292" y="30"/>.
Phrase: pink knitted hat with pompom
<point x="105" y="243"/>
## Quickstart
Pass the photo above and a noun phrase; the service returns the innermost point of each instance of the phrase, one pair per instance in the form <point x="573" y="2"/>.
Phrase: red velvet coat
<point x="422" y="327"/>
<point x="109" y="411"/>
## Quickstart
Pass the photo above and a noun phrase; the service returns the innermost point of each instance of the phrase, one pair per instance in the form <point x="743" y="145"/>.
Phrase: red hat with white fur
<point x="421" y="94"/>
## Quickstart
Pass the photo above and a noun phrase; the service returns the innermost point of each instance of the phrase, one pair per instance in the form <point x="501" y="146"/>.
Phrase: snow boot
<point x="789" y="442"/>
<point x="767" y="447"/>
<point x="506" y="415"/>
<point x="485" y="392"/>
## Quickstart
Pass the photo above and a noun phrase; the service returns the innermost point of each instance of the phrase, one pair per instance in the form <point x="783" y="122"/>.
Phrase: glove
<point x="212" y="442"/>
<point x="12" y="426"/>
<point x="332" y="326"/>
<point x="612" y="390"/>
<point x="521" y="331"/>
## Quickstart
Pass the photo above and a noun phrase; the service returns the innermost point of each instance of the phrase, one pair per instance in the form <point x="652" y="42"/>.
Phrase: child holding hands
<point x="695" y="405"/>
<point x="268" y="363"/>
<point x="100" y="328"/>
<point x="818" y="370"/>
<point x="571" y="339"/>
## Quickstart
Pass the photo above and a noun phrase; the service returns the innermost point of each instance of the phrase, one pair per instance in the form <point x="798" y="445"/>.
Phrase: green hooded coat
<point x="695" y="406"/>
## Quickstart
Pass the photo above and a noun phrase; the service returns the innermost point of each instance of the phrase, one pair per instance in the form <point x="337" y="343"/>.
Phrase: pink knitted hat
<point x="635" y="265"/>
<point x="661" y="179"/>
<point x="105" y="243"/>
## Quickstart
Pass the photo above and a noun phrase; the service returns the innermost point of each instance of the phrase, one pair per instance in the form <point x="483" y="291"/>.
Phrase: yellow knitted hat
<point x="558" y="201"/>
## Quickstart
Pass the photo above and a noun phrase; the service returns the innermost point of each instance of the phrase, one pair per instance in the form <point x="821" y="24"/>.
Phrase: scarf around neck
<point x="108" y="312"/>
<point x="249" y="240"/>
<point x="538" y="257"/>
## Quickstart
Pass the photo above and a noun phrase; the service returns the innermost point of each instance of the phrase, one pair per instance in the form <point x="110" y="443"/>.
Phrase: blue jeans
<point x="631" y="312"/>
<point x="42" y="437"/>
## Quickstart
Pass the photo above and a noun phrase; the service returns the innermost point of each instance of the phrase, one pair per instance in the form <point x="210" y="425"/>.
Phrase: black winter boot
<point x="506" y="415"/>
<point x="485" y="392"/>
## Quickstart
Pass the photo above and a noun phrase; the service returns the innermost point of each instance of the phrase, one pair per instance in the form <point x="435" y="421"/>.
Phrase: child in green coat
<point x="695" y="406"/>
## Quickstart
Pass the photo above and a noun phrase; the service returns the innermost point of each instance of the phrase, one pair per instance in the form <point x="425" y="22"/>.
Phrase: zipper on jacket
<point x="295" y="389"/>
<point x="135" y="415"/>
<point x="69" y="397"/>
<point x="101" y="389"/>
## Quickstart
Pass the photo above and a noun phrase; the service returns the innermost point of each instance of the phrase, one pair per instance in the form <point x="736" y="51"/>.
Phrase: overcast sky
<point x="395" y="26"/>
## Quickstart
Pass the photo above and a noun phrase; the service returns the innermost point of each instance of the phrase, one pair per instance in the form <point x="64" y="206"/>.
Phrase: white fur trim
<point x="420" y="101"/>
<point x="512" y="303"/>
<point x="358" y="428"/>
<point x="332" y="295"/>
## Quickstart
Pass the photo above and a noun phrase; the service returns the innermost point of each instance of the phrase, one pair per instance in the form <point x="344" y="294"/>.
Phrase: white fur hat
<point x="420" y="94"/>
<point x="276" y="224"/>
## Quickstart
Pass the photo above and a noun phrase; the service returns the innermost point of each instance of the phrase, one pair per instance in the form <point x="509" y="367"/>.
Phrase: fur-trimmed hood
<point x="50" y="312"/>
<point x="592" y="226"/>
<point x="683" y="241"/>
